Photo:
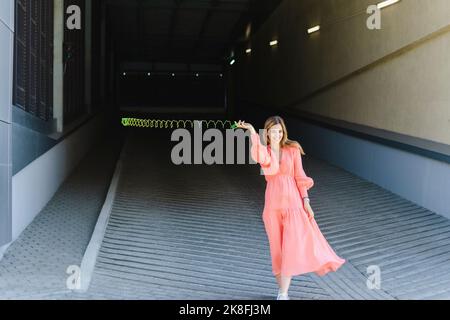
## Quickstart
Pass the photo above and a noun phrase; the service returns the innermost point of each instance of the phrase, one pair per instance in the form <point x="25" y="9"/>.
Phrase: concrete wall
<point x="6" y="80"/>
<point x="394" y="81"/>
<point x="396" y="78"/>
<point x="35" y="159"/>
<point x="30" y="137"/>
<point x="50" y="170"/>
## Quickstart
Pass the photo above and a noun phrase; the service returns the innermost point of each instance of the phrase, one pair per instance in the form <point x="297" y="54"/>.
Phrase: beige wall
<point x="396" y="78"/>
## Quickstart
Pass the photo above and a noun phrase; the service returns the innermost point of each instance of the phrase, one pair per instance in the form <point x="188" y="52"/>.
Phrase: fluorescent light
<point x="386" y="3"/>
<point x="232" y="62"/>
<point x="273" y="43"/>
<point x="313" y="29"/>
<point x="248" y="50"/>
<point x="248" y="31"/>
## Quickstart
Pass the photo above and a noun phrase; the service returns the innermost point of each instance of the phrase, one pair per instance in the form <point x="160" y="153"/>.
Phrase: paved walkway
<point x="195" y="232"/>
<point x="35" y="264"/>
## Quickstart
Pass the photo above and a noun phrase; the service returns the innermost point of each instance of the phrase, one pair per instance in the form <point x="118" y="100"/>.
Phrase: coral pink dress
<point x="297" y="245"/>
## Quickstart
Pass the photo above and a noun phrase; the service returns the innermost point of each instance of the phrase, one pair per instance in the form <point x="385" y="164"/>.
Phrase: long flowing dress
<point x="297" y="245"/>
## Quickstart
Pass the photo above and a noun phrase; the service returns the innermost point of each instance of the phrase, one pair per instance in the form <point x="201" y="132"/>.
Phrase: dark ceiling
<point x="188" y="31"/>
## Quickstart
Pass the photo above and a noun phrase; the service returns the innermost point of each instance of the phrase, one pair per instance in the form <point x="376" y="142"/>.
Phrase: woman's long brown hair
<point x="284" y="141"/>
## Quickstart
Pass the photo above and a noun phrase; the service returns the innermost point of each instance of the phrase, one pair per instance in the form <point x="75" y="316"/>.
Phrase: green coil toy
<point x="157" y="123"/>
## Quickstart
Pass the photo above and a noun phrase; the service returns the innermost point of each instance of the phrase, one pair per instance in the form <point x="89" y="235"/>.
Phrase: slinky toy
<point x="158" y="123"/>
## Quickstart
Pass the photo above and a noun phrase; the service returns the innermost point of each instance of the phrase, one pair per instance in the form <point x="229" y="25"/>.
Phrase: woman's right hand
<point x="245" y="125"/>
<point x="308" y="209"/>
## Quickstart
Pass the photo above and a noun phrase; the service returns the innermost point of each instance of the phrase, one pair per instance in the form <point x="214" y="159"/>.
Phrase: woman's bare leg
<point x="278" y="276"/>
<point x="285" y="283"/>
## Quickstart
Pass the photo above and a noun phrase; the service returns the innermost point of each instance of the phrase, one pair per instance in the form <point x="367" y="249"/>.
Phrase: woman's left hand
<point x="308" y="209"/>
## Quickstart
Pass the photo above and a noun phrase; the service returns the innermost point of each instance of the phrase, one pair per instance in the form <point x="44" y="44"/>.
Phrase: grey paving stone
<point x="37" y="261"/>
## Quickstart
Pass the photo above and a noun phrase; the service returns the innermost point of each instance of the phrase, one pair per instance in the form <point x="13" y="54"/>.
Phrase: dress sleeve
<point x="259" y="152"/>
<point x="303" y="182"/>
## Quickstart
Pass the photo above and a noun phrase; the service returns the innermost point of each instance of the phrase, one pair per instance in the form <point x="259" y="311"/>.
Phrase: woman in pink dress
<point x="297" y="245"/>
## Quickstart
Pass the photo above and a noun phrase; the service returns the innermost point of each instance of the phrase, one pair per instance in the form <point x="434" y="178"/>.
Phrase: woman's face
<point x="275" y="134"/>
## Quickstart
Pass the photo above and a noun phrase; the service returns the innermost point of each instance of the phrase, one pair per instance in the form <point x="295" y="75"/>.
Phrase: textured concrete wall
<point x="38" y="182"/>
<point x="395" y="78"/>
<point x="6" y="81"/>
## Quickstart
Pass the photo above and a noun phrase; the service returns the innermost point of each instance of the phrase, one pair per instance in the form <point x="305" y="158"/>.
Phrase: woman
<point x="296" y="244"/>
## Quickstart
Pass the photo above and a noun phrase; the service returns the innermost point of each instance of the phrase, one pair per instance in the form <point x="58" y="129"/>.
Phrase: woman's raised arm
<point x="258" y="151"/>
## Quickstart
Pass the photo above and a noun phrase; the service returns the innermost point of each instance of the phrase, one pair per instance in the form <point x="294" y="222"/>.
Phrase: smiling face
<point x="275" y="134"/>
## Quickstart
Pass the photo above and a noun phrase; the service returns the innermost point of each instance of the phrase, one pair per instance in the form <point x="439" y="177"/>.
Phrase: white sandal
<point x="282" y="296"/>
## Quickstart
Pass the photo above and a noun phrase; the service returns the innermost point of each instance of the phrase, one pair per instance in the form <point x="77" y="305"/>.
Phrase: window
<point x="33" y="57"/>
